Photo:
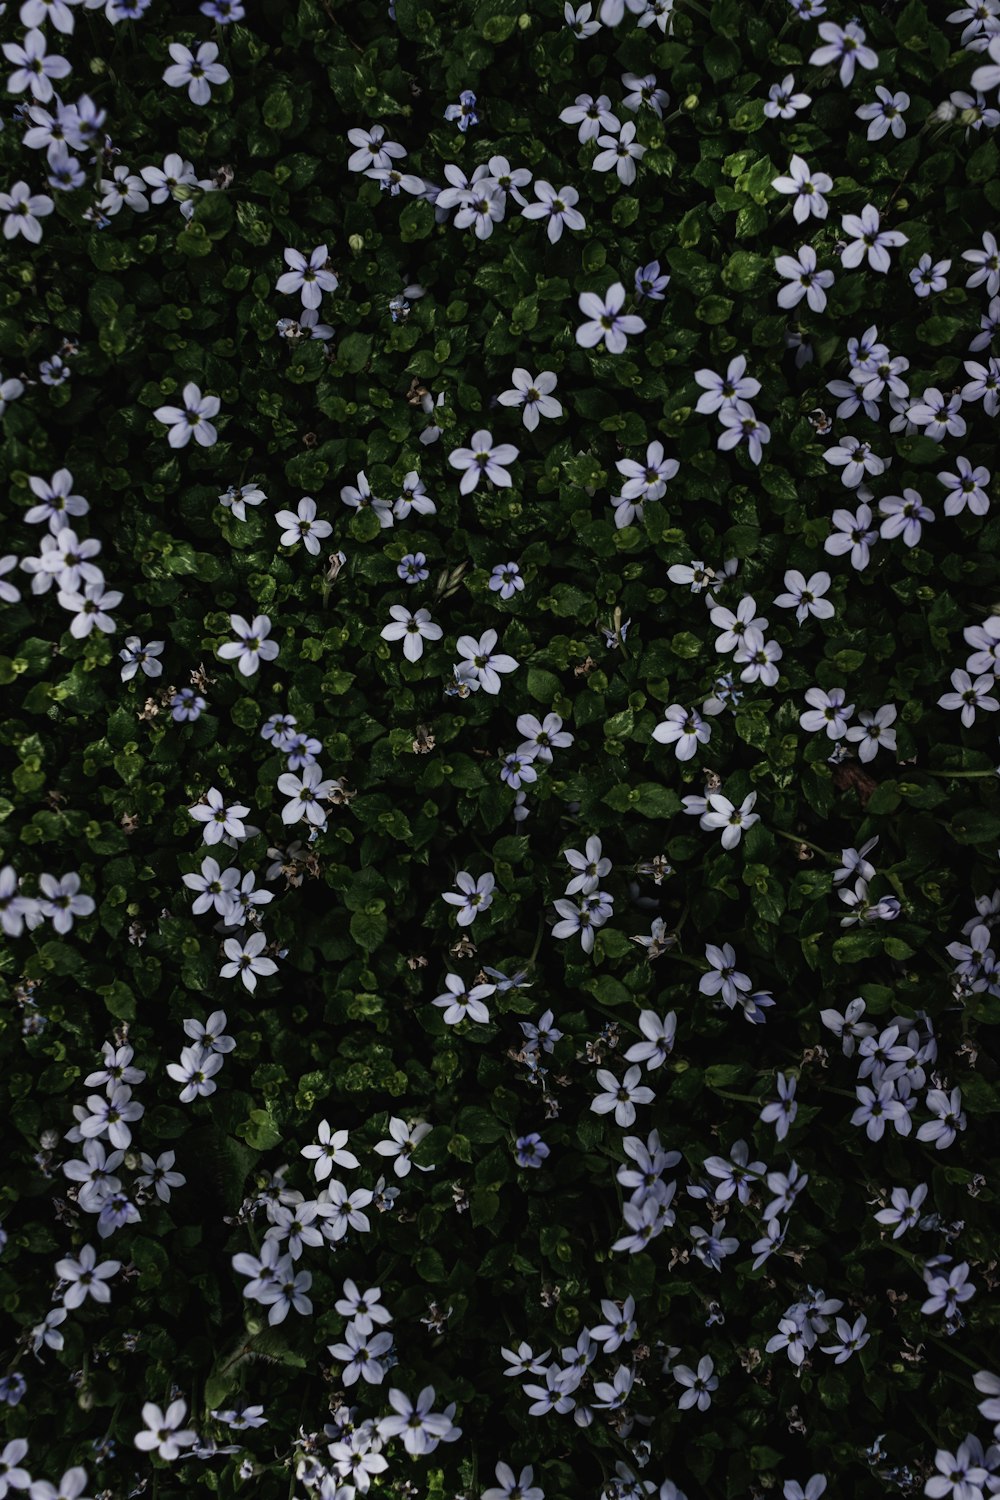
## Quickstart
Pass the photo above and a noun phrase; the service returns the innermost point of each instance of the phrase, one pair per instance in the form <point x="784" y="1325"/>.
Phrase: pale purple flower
<point x="827" y="711"/>
<point x="987" y="260"/>
<point x="950" y="1118"/>
<point x="607" y="322"/>
<point x="805" y="596"/>
<point x="34" y="67"/>
<point x="459" y="1002"/>
<point x="868" y="239"/>
<point x="803" y="279"/>
<point x="684" y="728"/>
<point x="959" y="1475"/>
<point x="854" y="534"/>
<point x="783" y="102"/>
<point x="412" y="629"/>
<point x="301" y="525"/>
<point x="246" y="961"/>
<point x="558" y="206"/>
<point x="620" y="152"/>
<point x="904" y="516"/>
<point x="651" y="282"/>
<point x="86" y="1277"/>
<point x="874" y="732"/>
<point x="808" y="188"/>
<point x="621" y="1097"/>
<point x="251" y="646"/>
<point x="483" y="458"/>
<point x="885" y="114"/>
<point x="483" y="660"/>
<point x="966" y="488"/>
<point x="195" y="71"/>
<point x="947" y="1292"/>
<point x="722" y="814"/>
<point x="929" y="275"/>
<point x="743" y="427"/>
<point x="472" y="896"/>
<point x="852" y="1337"/>
<point x="23" y="210"/>
<point x="192" y="418"/>
<point x="373" y="150"/>
<point x="905" y="1210"/>
<point x="659" y="1036"/>
<point x="647" y="480"/>
<point x="846" y="46"/>
<point x="60" y="900"/>
<point x="534" y="395"/>
<point x="781" y="1112"/>
<point x="723" y="977"/>
<point x="591" y="115"/>
<point x="938" y="414"/>
<point x="698" y="1387"/>
<point x="984" y="386"/>
<point x="309" y="276"/>
<point x="970" y="697"/>
<point x="195" y="1071"/>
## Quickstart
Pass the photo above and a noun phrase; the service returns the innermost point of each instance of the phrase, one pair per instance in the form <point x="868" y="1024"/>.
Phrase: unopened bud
<point x="356" y="243"/>
<point x="691" y="102"/>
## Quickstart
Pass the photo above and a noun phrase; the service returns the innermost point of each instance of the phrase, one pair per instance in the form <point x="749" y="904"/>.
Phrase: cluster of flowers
<point x="61" y="902"/>
<point x="64" y="558"/>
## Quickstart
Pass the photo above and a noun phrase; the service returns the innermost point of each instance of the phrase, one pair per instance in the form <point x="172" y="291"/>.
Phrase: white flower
<point x="459" y="1002"/>
<point x="245" y="960"/>
<point x="91" y="608"/>
<point x="123" y="189"/>
<point x="195" y="71"/>
<point x="403" y="1141"/>
<point x="607" y="322"/>
<point x="472" y="896"/>
<point x="685" y="729"/>
<point x="533" y="395"/>
<point x="60" y="901"/>
<point x="808" y="189"/>
<point x="827" y="711"/>
<point x="163" y="1432"/>
<point x="621" y="152"/>
<point x="783" y="102"/>
<point x="34" y="69"/>
<point x="591" y="115"/>
<point x="483" y="458"/>
<point x="483" y="661"/>
<point x="873" y="732"/>
<point x="373" y="150"/>
<point x="805" y="596"/>
<point x="698" y="1387"/>
<point x="412" y="629"/>
<point x="845" y="45"/>
<point x="86" y="1277"/>
<point x="868" y="239"/>
<point x="193" y="418"/>
<point x="195" y="1071"/>
<point x="301" y="525"/>
<point x="558" y="207"/>
<point x="721" y="813"/>
<point x="136" y="655"/>
<point x="621" y="1097"/>
<point x="23" y="210"/>
<point x="969" y="696"/>
<point x="803" y="280"/>
<point x="329" y="1152"/>
<point x="885" y="114"/>
<point x="309" y="276"/>
<point x="306" y="792"/>
<point x="251" y="644"/>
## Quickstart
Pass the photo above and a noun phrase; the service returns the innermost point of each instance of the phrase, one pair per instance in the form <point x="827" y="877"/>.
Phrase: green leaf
<point x="353" y="352"/>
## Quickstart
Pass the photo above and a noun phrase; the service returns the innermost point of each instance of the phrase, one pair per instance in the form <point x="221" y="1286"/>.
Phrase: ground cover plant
<point x="499" y="628"/>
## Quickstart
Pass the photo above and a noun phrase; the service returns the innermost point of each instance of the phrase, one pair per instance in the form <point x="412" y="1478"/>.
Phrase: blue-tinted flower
<point x="464" y="112"/>
<point x="530" y="1150"/>
<point x="506" y="580"/>
<point x="651" y="282"/>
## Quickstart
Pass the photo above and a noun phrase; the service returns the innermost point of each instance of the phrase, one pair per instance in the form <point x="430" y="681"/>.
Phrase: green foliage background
<point x="346" y="1029"/>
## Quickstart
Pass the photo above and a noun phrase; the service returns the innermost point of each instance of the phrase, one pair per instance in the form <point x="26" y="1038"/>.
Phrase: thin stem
<point x="968" y="774"/>
<point x="793" y="838"/>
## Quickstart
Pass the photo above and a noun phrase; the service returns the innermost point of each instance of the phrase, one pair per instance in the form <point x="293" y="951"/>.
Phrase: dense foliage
<point x="755" y="582"/>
